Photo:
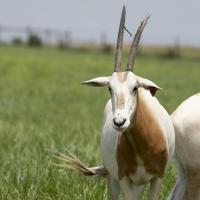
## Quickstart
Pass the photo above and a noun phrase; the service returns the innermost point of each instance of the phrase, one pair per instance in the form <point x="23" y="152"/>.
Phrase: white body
<point x="144" y="126"/>
<point x="186" y="120"/>
<point x="109" y="141"/>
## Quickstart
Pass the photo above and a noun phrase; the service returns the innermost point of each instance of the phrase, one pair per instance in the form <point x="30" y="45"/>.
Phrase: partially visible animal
<point x="186" y="120"/>
<point x="138" y="139"/>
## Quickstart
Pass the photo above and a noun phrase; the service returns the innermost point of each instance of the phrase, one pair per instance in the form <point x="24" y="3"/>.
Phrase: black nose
<point x="119" y="123"/>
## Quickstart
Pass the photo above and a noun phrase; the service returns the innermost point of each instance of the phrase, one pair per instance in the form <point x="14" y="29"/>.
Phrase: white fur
<point x="186" y="120"/>
<point x="124" y="86"/>
<point x="109" y="139"/>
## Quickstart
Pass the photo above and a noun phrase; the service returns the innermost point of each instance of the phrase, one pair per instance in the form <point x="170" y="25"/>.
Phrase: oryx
<point x="186" y="120"/>
<point x="137" y="141"/>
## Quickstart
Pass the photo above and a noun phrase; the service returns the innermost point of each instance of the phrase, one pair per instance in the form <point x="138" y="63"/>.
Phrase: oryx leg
<point x="179" y="189"/>
<point x="193" y="185"/>
<point x="155" y="188"/>
<point x="113" y="188"/>
<point x="130" y="191"/>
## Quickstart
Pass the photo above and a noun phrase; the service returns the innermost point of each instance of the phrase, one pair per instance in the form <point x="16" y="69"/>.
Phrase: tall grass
<point x="44" y="110"/>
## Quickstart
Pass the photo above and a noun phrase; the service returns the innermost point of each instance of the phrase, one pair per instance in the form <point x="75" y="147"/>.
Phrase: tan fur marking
<point x="120" y="101"/>
<point x="126" y="157"/>
<point x="122" y="76"/>
<point x="144" y="139"/>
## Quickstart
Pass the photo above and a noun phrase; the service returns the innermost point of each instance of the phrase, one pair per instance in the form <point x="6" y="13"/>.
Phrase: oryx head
<point x="123" y="85"/>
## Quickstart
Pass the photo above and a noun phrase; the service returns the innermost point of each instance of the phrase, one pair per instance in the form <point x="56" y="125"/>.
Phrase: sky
<point x="87" y="19"/>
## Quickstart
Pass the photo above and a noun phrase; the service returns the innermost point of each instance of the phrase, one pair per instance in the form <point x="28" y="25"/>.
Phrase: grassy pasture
<point x="44" y="110"/>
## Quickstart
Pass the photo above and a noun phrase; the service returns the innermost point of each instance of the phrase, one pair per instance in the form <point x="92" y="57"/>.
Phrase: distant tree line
<point x="35" y="37"/>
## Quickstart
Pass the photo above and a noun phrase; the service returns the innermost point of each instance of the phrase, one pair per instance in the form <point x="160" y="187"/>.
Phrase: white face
<point x="123" y="89"/>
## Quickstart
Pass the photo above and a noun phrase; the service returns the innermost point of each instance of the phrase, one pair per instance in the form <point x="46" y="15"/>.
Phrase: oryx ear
<point x="97" y="82"/>
<point x="147" y="84"/>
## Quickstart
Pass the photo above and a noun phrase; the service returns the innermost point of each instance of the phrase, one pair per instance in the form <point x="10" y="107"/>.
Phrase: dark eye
<point x="109" y="90"/>
<point x="135" y="88"/>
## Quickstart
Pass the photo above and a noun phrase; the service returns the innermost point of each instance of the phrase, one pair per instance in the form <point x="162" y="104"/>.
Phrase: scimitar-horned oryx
<point x="137" y="141"/>
<point x="186" y="120"/>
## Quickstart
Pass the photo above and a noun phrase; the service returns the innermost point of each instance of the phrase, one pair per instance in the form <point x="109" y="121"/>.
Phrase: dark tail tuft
<point x="72" y="162"/>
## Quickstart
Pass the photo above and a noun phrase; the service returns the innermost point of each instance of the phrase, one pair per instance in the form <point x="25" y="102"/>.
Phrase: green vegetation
<point x="44" y="110"/>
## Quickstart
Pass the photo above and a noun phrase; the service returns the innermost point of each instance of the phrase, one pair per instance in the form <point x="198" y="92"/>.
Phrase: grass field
<point x="45" y="110"/>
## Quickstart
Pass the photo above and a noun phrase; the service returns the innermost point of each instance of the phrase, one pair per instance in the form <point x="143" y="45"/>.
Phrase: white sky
<point x="88" y="18"/>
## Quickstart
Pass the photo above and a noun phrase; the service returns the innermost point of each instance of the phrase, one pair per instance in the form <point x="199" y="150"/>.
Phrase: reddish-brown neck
<point x="144" y="139"/>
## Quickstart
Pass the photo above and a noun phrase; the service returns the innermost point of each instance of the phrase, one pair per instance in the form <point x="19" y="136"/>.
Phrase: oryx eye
<point x="134" y="89"/>
<point x="109" y="89"/>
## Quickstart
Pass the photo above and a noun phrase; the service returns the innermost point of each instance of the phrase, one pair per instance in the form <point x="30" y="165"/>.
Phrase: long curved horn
<point x="134" y="46"/>
<point x="120" y="41"/>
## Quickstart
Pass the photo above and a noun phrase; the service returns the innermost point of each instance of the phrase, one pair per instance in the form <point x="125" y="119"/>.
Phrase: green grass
<point x="44" y="110"/>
